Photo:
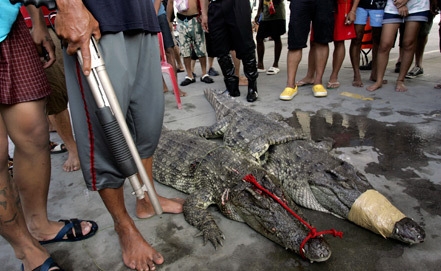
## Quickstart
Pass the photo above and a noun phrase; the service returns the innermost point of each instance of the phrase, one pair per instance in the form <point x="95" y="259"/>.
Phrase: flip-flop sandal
<point x="273" y="71"/>
<point x="58" y="148"/>
<point x="302" y="83"/>
<point x="333" y="85"/>
<point x="437" y="86"/>
<point x="48" y="264"/>
<point x="70" y="226"/>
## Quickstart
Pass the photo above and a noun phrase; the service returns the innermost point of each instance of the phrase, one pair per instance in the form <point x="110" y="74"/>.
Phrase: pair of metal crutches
<point x="112" y="119"/>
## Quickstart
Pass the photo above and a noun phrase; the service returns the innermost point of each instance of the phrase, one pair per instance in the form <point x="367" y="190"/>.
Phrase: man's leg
<point x="32" y="166"/>
<point x="293" y="60"/>
<point x="64" y="130"/>
<point x="136" y="252"/>
<point x="321" y="58"/>
<point x="309" y="77"/>
<point x="144" y="207"/>
<point x="12" y="224"/>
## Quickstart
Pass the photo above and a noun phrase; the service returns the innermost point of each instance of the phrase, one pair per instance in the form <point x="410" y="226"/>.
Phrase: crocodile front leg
<point x="196" y="213"/>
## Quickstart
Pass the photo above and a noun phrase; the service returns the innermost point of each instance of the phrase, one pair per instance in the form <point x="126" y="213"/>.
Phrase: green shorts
<point x="132" y="63"/>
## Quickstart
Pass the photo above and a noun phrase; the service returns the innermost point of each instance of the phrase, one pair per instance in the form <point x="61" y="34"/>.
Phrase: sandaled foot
<point x="437" y="86"/>
<point x="136" y="252"/>
<point x="357" y="83"/>
<point x="305" y="82"/>
<point x="73" y="230"/>
<point x="333" y="85"/>
<point x="48" y="265"/>
<point x="374" y="87"/>
<point x="57" y="148"/>
<point x="400" y="87"/>
<point x="144" y="208"/>
<point x="182" y="93"/>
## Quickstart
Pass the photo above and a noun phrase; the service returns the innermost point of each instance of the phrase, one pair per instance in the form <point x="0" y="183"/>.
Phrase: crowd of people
<point x="216" y="29"/>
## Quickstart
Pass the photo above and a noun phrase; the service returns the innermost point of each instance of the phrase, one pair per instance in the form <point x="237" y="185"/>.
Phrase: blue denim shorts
<point x="375" y="16"/>
<point x="422" y="16"/>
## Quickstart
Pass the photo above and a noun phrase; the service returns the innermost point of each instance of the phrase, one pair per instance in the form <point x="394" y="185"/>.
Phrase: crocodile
<point x="313" y="177"/>
<point x="253" y="138"/>
<point x="212" y="174"/>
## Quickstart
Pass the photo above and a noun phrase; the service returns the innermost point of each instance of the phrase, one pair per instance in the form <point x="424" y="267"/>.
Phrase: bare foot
<point x="136" y="252"/>
<point x="374" y="87"/>
<point x="165" y="90"/>
<point x="357" y="83"/>
<point x="50" y="230"/>
<point x="375" y="80"/>
<point x="182" y="93"/>
<point x="72" y="163"/>
<point x="144" y="208"/>
<point x="305" y="82"/>
<point x="400" y="87"/>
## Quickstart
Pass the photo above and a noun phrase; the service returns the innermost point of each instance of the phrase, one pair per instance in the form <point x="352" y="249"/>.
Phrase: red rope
<point x="312" y="230"/>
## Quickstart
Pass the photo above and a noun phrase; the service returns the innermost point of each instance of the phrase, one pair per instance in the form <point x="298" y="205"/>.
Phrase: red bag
<point x="272" y="10"/>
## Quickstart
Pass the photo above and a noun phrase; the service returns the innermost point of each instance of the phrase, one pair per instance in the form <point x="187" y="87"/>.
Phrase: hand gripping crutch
<point x="112" y="120"/>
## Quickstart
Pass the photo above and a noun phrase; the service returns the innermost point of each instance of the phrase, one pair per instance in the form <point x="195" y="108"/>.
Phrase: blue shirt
<point x="8" y="15"/>
<point x="123" y="15"/>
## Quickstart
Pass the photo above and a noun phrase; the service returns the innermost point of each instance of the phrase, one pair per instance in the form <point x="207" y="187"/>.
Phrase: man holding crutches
<point x="126" y="31"/>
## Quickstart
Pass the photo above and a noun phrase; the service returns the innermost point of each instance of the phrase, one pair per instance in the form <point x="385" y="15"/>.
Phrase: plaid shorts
<point x="22" y="77"/>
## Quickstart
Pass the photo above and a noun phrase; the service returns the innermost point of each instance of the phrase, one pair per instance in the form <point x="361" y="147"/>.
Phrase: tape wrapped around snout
<point x="373" y="211"/>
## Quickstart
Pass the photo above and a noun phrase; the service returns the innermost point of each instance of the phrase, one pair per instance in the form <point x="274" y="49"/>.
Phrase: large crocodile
<point x="312" y="177"/>
<point x="253" y="138"/>
<point x="213" y="174"/>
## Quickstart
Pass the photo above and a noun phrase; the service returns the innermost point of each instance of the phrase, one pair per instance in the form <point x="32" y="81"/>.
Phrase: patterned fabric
<point x="191" y="36"/>
<point x="22" y="77"/>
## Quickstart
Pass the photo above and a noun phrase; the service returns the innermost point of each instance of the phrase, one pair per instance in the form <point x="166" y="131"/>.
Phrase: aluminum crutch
<point x="112" y="119"/>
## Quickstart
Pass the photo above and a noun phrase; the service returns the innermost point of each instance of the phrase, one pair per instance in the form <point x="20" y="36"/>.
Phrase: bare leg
<point x="321" y="58"/>
<point x="260" y="45"/>
<point x="188" y="67"/>
<point x="12" y="224"/>
<point x="169" y="54"/>
<point x="277" y="50"/>
<point x="309" y="78"/>
<point x="354" y="52"/>
<point x="337" y="60"/>
<point x="64" y="130"/>
<point x="387" y="40"/>
<point x="203" y="62"/>
<point x="243" y="81"/>
<point x="32" y="166"/>
<point x="144" y="208"/>
<point x="409" y="47"/>
<point x="376" y="36"/>
<point x="293" y="59"/>
<point x="136" y="252"/>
